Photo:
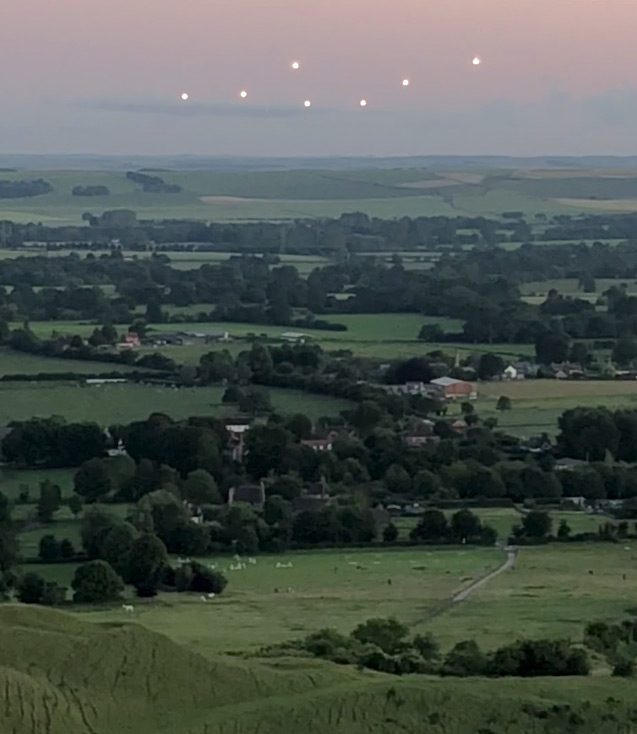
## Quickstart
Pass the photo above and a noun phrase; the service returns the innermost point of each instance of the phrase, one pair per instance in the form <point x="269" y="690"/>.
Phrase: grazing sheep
<point x="211" y="595"/>
<point x="128" y="608"/>
<point x="203" y="598"/>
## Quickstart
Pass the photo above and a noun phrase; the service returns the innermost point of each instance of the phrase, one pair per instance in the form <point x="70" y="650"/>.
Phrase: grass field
<point x="108" y="404"/>
<point x="549" y="593"/>
<point x="11" y="481"/>
<point x="537" y="404"/>
<point x="329" y="588"/>
<point x="21" y="363"/>
<point x="277" y="195"/>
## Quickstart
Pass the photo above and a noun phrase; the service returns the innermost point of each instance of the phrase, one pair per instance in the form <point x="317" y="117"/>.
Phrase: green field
<point x="551" y="593"/>
<point x="537" y="404"/>
<point x="11" y="481"/>
<point x="276" y="195"/>
<point x="21" y="363"/>
<point x="108" y="404"/>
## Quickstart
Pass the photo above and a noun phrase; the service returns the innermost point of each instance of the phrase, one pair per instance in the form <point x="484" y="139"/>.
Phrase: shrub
<point x="390" y="533"/>
<point x="387" y="634"/>
<point x="624" y="668"/>
<point x="67" y="549"/>
<point x="465" y="659"/>
<point x="33" y="589"/>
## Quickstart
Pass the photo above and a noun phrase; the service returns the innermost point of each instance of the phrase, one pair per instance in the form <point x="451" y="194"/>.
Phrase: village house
<point x="236" y="430"/>
<point x="321" y="445"/>
<point x="420" y="434"/>
<point x="250" y="494"/>
<point x="130" y="341"/>
<point x="453" y="389"/>
<point x="315" y="497"/>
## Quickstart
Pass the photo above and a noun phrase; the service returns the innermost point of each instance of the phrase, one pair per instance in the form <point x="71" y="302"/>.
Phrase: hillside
<point x="61" y="675"/>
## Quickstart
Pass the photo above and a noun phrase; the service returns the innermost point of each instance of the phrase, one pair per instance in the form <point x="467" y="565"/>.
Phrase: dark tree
<point x="490" y="366"/>
<point x="50" y="550"/>
<point x="96" y="582"/>
<point x="503" y="403"/>
<point x="49" y="502"/>
<point x="390" y="533"/>
<point x="432" y="526"/>
<point x="92" y="480"/>
<point x="148" y="556"/>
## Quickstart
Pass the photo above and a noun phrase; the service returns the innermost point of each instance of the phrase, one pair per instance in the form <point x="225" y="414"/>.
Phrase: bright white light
<point x="405" y="82"/>
<point x="296" y="66"/>
<point x="307" y="103"/>
<point x="363" y="103"/>
<point x="185" y="96"/>
<point x="477" y="61"/>
<point x="243" y="94"/>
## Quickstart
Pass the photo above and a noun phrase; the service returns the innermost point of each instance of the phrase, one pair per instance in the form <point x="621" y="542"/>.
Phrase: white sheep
<point x="203" y="598"/>
<point x="211" y="595"/>
<point x="128" y="608"/>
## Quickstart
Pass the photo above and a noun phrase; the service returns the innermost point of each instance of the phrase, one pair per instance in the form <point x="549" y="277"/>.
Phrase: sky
<point x="558" y="77"/>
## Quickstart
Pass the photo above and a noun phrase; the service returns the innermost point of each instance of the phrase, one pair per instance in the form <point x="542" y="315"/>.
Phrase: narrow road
<point x="509" y="563"/>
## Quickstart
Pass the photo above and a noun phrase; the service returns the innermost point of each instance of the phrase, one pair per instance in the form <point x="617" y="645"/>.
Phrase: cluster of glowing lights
<point x="296" y="65"/>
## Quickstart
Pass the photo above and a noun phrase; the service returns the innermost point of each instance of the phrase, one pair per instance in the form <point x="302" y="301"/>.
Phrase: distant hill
<point x="60" y="674"/>
<point x="234" y="163"/>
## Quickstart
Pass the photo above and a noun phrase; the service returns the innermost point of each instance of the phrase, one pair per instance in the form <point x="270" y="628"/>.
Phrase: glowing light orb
<point x="363" y="103"/>
<point x="405" y="82"/>
<point x="296" y="66"/>
<point x="243" y="94"/>
<point x="185" y="97"/>
<point x="476" y="61"/>
<point x="307" y="103"/>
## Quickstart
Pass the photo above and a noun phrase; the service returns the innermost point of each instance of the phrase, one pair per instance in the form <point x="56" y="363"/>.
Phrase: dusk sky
<point x="104" y="76"/>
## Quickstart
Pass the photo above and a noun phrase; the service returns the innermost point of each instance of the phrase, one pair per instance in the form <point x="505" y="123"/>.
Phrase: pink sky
<point x="68" y="54"/>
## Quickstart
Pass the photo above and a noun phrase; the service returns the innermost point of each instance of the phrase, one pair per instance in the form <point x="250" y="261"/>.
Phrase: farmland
<point x="537" y="404"/>
<point x="108" y="404"/>
<point x="276" y="195"/>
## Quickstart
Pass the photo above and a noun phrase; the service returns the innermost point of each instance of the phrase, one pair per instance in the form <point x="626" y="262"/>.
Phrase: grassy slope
<point x="65" y="676"/>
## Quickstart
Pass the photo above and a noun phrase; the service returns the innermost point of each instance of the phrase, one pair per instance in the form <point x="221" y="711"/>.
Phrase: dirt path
<point x="463" y="595"/>
<point x="509" y="563"/>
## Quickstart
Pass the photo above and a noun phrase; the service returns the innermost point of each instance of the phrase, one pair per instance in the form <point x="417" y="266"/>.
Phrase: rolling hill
<point x="63" y="675"/>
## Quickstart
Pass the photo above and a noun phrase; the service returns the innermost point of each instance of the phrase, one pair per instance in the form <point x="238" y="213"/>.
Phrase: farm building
<point x="294" y="337"/>
<point x="453" y="389"/>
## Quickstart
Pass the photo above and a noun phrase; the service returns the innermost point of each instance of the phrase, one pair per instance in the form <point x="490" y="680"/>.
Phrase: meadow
<point x="279" y="195"/>
<point x="537" y="404"/>
<point x="109" y="404"/>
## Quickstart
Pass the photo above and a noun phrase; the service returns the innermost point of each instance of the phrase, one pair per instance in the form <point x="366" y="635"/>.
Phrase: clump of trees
<point x="24" y="189"/>
<point x="464" y="527"/>
<point x="88" y="191"/>
<point x="386" y="646"/>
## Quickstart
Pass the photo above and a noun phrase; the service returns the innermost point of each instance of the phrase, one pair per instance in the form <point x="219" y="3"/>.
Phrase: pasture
<point x="328" y="588"/>
<point x="108" y="404"/>
<point x="550" y="592"/>
<point x="294" y="194"/>
<point x="21" y="363"/>
<point x="537" y="404"/>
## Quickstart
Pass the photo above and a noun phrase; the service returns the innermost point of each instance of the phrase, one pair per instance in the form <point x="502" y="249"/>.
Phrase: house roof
<point x="251" y="493"/>
<point x="292" y="335"/>
<point x="448" y="381"/>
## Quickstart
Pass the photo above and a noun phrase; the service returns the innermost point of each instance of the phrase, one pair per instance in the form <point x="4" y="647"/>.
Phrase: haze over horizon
<point x="105" y="78"/>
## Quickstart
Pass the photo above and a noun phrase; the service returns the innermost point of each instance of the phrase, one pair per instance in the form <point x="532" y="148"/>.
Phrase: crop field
<point x="108" y="404"/>
<point x="277" y="195"/>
